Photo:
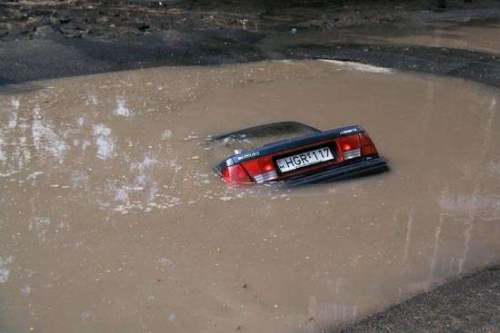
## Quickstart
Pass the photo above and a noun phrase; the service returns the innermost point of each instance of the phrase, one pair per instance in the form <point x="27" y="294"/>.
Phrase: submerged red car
<point x="312" y="157"/>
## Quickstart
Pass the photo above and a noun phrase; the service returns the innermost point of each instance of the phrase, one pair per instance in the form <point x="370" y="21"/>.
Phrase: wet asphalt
<point x="55" y="56"/>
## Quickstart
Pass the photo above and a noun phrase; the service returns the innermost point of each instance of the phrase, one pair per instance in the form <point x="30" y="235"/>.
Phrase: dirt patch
<point x="110" y="19"/>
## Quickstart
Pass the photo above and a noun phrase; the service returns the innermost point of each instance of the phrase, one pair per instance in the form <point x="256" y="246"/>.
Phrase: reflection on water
<point x="112" y="219"/>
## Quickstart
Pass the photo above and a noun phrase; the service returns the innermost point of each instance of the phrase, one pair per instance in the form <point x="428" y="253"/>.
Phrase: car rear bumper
<point x="356" y="169"/>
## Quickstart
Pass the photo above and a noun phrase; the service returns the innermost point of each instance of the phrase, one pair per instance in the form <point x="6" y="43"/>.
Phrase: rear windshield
<point x="258" y="136"/>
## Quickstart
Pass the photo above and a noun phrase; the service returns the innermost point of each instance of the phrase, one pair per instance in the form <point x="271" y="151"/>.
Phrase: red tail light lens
<point x="235" y="174"/>
<point x="349" y="146"/>
<point x="367" y="146"/>
<point x="258" y="170"/>
<point x="261" y="169"/>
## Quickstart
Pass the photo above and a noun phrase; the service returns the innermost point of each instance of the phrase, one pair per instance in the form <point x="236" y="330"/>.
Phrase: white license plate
<point x="305" y="159"/>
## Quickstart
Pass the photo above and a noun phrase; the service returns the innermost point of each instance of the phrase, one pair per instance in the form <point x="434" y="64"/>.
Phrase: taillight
<point x="258" y="170"/>
<point x="349" y="146"/>
<point x="235" y="174"/>
<point x="261" y="169"/>
<point x="367" y="146"/>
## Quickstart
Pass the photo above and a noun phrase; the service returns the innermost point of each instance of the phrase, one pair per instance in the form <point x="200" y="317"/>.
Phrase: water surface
<point x="111" y="218"/>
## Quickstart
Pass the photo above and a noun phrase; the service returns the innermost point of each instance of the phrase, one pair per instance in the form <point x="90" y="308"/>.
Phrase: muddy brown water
<point x="111" y="219"/>
<point x="475" y="35"/>
<point x="478" y="35"/>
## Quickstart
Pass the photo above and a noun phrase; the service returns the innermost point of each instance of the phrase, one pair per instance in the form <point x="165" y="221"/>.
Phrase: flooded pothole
<point x="113" y="220"/>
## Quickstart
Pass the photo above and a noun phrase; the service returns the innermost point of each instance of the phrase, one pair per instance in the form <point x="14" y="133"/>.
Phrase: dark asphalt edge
<point x="26" y="61"/>
<point x="468" y="65"/>
<point x="443" y="304"/>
